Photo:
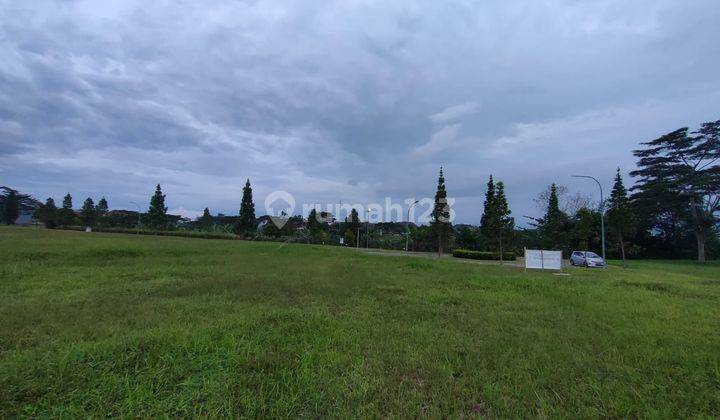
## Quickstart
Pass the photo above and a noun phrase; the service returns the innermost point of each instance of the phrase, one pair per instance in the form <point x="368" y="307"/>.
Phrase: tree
<point x="467" y="237"/>
<point x="349" y="238"/>
<point x="12" y="202"/>
<point x="620" y="216"/>
<point x="47" y="213"/>
<point x="553" y="226"/>
<point x="88" y="213"/>
<point x="102" y="207"/>
<point x="354" y="223"/>
<point x="489" y="204"/>
<point x="496" y="223"/>
<point x="205" y="221"/>
<point x="568" y="203"/>
<point x="683" y="169"/>
<point x="66" y="215"/>
<point x="157" y="213"/>
<point x="441" y="214"/>
<point x="585" y="228"/>
<point x="101" y="211"/>
<point x="10" y="206"/>
<point x="313" y="223"/>
<point x="504" y="223"/>
<point x="246" y="224"/>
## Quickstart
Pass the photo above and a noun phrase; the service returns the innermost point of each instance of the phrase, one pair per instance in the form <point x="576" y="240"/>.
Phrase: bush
<point x="480" y="255"/>
<point x="180" y="233"/>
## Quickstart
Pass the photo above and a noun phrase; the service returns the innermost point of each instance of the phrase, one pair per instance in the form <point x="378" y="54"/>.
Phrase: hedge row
<point x="480" y="255"/>
<point x="180" y="233"/>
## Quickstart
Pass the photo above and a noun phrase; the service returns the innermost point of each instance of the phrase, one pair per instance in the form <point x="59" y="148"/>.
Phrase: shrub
<point x="180" y="233"/>
<point x="480" y="255"/>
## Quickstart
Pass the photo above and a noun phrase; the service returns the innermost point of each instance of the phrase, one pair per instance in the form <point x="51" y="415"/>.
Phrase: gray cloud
<point x="112" y="97"/>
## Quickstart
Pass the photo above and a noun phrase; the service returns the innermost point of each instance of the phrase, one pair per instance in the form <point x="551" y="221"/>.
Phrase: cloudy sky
<point x="348" y="100"/>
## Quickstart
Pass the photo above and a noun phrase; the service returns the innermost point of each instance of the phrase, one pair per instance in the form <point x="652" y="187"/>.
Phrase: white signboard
<point x="543" y="260"/>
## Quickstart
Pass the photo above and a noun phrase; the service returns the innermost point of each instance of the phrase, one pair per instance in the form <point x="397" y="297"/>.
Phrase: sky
<point x="350" y="101"/>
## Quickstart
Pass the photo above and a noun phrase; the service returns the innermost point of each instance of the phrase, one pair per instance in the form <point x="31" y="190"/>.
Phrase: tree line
<point x="671" y="211"/>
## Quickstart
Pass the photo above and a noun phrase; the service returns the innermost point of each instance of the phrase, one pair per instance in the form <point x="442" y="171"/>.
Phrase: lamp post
<point x="407" y="225"/>
<point x="139" y="212"/>
<point x="602" y="211"/>
<point x="367" y="227"/>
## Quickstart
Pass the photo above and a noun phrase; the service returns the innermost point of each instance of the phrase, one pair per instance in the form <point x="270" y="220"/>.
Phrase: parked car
<point x="593" y="259"/>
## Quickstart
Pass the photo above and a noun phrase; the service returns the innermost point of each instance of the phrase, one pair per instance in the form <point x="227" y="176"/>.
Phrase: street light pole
<point x="367" y="227"/>
<point x="138" y="224"/>
<point x="407" y="225"/>
<point x="602" y="211"/>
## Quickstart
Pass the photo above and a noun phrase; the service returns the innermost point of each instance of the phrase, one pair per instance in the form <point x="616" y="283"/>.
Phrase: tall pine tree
<point x="88" y="213"/>
<point x="314" y="225"/>
<point x="354" y="221"/>
<point x="441" y="214"/>
<point x="101" y="211"/>
<point x="489" y="201"/>
<point x="66" y="215"/>
<point x="505" y="224"/>
<point x="205" y="221"/>
<point x="554" y="225"/>
<point x="47" y="213"/>
<point x="102" y="207"/>
<point x="620" y="215"/>
<point x="489" y="215"/>
<point x="157" y="213"/>
<point x="246" y="224"/>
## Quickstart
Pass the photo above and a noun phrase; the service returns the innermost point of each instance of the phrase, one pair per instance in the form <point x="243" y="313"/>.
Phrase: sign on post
<point x="543" y="260"/>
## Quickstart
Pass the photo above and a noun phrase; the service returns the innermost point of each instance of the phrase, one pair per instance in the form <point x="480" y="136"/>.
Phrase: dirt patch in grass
<point x="653" y="287"/>
<point x="113" y="253"/>
<point x="35" y="256"/>
<point x="709" y="282"/>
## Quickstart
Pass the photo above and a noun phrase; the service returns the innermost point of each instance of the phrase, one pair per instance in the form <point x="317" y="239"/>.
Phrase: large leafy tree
<point x="157" y="212"/>
<point x="679" y="175"/>
<point x="10" y="201"/>
<point x="441" y="214"/>
<point x="467" y="237"/>
<point x="620" y="216"/>
<point x="586" y="228"/>
<point x="47" y="213"/>
<point x="350" y="238"/>
<point x="88" y="213"/>
<point x="246" y="224"/>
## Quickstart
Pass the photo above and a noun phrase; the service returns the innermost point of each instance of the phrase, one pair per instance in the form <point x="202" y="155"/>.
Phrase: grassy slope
<point x="108" y="323"/>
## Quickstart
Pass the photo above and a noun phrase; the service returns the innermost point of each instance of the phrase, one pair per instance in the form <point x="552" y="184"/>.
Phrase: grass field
<point x="112" y="324"/>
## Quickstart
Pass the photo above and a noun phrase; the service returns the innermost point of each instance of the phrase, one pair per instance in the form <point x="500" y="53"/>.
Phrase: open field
<point x="141" y="326"/>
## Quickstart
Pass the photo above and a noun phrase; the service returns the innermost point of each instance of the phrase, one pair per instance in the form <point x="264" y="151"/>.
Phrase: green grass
<point x="111" y="324"/>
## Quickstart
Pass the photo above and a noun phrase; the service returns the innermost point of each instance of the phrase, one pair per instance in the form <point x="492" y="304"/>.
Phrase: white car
<point x="593" y="259"/>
